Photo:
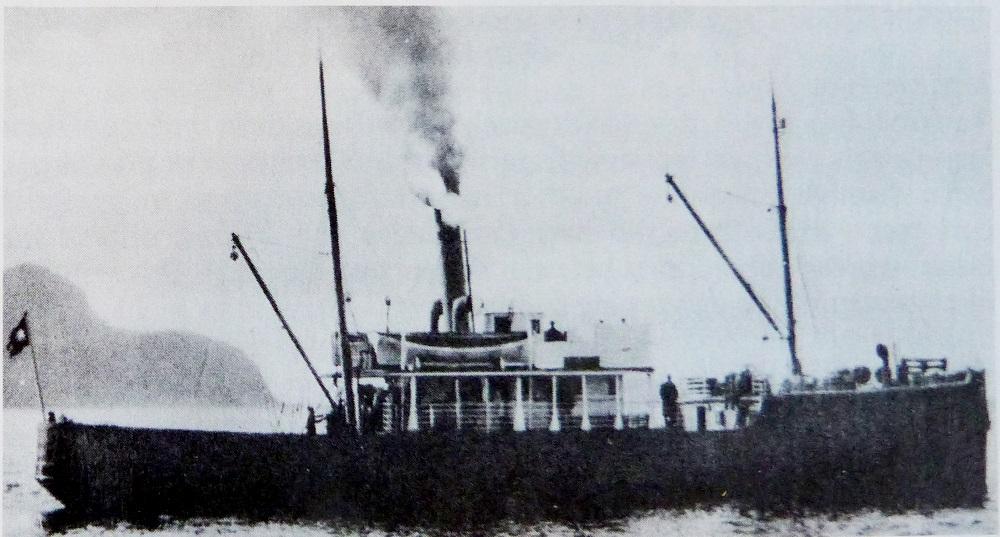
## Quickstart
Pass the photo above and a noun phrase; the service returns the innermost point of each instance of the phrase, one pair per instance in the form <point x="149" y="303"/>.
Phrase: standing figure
<point x="884" y="373"/>
<point x="311" y="422"/>
<point x="671" y="413"/>
<point x="744" y="389"/>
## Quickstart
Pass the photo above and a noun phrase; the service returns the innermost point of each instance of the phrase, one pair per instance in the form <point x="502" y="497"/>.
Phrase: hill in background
<point x="84" y="362"/>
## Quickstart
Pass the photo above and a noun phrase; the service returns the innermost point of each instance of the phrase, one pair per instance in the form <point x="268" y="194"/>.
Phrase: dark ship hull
<point x="893" y="449"/>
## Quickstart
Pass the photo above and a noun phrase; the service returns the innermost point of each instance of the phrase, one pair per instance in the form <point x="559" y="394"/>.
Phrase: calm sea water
<point x="25" y="503"/>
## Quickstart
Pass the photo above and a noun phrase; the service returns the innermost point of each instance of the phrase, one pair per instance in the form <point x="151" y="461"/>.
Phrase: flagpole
<point x="38" y="382"/>
<point x="34" y="361"/>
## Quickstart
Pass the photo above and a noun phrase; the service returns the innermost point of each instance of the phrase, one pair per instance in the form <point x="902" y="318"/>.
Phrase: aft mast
<point x="783" y="225"/>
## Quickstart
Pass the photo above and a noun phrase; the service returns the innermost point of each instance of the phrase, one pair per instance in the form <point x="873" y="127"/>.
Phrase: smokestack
<point x="453" y="269"/>
<point x="452" y="256"/>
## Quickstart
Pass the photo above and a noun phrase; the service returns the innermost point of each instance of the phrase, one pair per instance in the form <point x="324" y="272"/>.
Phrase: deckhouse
<point x="512" y="376"/>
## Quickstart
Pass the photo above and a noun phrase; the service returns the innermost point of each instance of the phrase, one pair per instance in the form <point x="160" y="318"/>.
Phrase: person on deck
<point x="553" y="334"/>
<point x="744" y="388"/>
<point x="668" y="396"/>
<point x="884" y="373"/>
<point x="311" y="422"/>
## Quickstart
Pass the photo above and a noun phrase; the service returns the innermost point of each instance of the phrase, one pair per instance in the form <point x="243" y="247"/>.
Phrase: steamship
<point x="459" y="426"/>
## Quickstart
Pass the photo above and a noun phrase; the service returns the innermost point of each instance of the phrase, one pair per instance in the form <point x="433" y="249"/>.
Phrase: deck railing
<point x="500" y="416"/>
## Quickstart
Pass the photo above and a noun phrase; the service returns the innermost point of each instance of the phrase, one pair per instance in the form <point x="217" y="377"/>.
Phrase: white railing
<point x="502" y="415"/>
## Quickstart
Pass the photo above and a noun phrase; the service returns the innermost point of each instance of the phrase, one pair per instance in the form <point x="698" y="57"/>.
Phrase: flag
<point x="19" y="337"/>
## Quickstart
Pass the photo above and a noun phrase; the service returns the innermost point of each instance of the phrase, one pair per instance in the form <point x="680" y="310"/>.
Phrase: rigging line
<point x="749" y="200"/>
<point x="201" y="373"/>
<point x="805" y="289"/>
<point x="350" y="309"/>
<point x="287" y="246"/>
<point x="313" y="274"/>
<point x="741" y="197"/>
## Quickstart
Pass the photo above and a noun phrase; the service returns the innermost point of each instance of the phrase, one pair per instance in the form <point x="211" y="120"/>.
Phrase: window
<point x="502" y="324"/>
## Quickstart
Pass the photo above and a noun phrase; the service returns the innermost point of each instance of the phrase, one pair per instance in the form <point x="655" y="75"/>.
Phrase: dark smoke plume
<point x="403" y="58"/>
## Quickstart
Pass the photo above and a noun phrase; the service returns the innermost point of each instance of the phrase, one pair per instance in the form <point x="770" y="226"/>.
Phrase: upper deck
<point x="514" y="376"/>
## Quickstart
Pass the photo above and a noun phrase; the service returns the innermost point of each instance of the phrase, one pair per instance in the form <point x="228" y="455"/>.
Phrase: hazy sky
<point x="136" y="140"/>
